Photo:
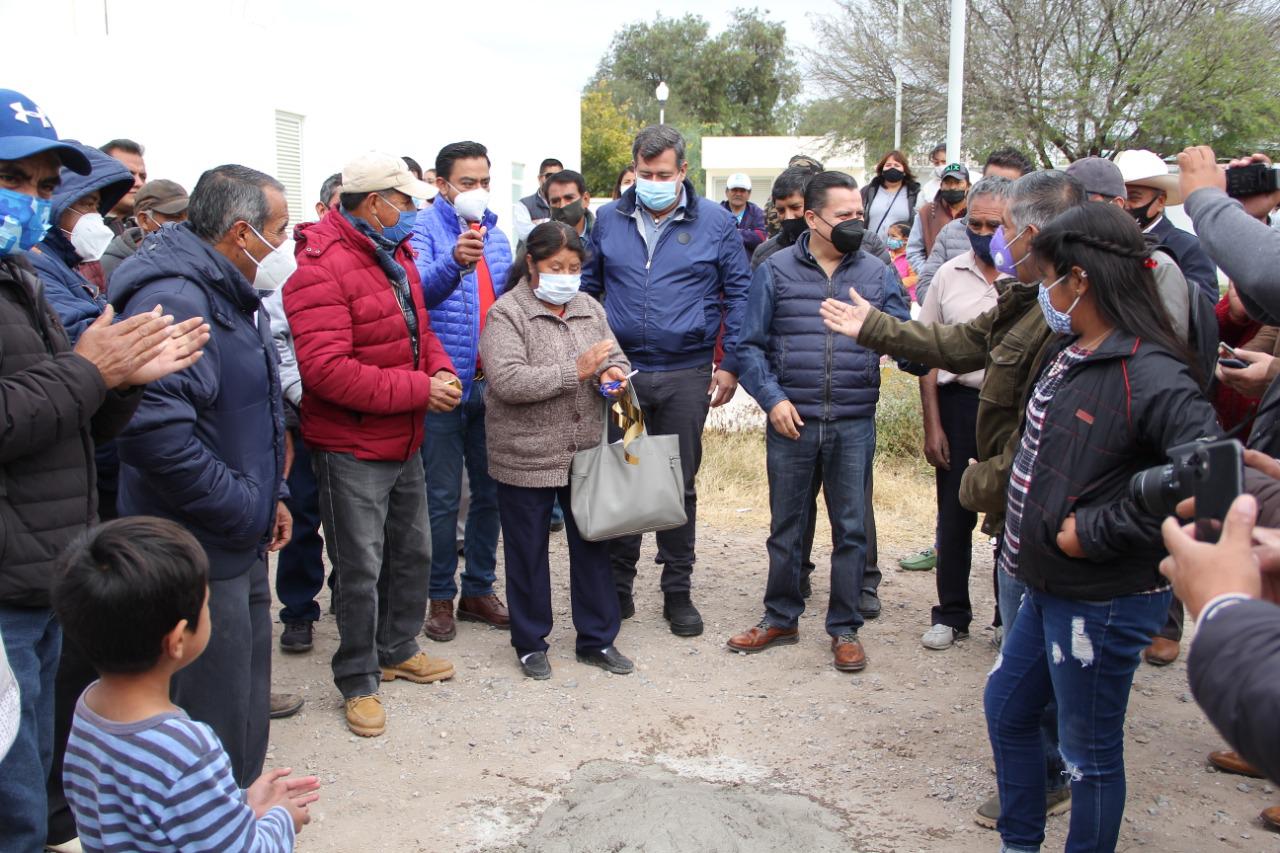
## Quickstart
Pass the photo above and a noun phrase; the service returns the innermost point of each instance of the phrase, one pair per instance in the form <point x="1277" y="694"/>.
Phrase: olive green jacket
<point x="1008" y="342"/>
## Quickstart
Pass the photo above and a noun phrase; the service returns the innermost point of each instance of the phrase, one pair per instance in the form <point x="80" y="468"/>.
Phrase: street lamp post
<point x="662" y="92"/>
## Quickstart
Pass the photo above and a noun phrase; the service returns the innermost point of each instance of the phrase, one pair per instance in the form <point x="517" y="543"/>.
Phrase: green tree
<point x="1061" y="78"/>
<point x="607" y="132"/>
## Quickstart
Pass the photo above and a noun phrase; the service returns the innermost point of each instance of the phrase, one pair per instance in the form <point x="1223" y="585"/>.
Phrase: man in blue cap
<point x="55" y="402"/>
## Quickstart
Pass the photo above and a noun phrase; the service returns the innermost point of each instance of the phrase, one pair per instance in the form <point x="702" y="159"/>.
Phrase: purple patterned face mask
<point x="1002" y="255"/>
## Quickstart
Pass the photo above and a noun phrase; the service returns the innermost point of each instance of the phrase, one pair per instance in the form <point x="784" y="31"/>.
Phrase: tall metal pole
<point x="955" y="81"/>
<point x="897" y="81"/>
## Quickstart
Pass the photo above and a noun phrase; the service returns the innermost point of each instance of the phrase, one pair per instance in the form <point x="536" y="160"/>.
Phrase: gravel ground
<point x="892" y="759"/>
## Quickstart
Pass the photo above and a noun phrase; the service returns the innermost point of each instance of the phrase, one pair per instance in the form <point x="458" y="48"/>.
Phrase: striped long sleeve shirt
<point x="161" y="784"/>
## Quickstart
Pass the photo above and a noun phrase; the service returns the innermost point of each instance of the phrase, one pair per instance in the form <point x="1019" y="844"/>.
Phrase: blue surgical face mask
<point x="1058" y="321"/>
<point x="24" y="220"/>
<point x="557" y="289"/>
<point x="403" y="226"/>
<point x="895" y="243"/>
<point x="657" y="195"/>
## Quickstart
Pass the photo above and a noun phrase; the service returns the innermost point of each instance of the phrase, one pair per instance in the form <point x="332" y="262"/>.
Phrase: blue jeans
<point x="300" y="569"/>
<point x="33" y="643"/>
<point x="455" y="439"/>
<point x="1085" y="654"/>
<point x="1011" y="592"/>
<point x="843" y="450"/>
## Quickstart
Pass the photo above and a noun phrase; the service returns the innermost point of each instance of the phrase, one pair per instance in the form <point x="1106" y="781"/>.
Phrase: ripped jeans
<point x="1084" y="653"/>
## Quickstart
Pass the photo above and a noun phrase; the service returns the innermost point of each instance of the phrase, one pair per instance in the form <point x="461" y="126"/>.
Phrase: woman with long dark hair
<point x="1120" y="390"/>
<point x="549" y="355"/>
<point x="891" y="195"/>
<point x="626" y="178"/>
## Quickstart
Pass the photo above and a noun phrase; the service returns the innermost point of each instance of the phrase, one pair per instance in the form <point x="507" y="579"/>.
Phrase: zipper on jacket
<point x="644" y="324"/>
<point x="830" y="366"/>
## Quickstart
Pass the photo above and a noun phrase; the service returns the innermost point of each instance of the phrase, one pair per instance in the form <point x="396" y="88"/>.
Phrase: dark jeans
<point x="375" y="526"/>
<point x="229" y="685"/>
<point x="1085" y="654"/>
<point x="871" y="574"/>
<point x="1172" y="628"/>
<point x="526" y="520"/>
<point x="958" y="411"/>
<point x="844" y="450"/>
<point x="300" y="568"/>
<point x="674" y="402"/>
<point x="32" y="641"/>
<point x="456" y="439"/>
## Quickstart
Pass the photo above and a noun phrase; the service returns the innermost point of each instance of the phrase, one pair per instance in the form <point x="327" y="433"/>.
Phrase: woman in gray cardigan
<point x="549" y="355"/>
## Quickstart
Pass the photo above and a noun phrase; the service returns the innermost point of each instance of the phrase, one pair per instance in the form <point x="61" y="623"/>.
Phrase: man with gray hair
<point x="672" y="271"/>
<point x="206" y="447"/>
<point x="1008" y="343"/>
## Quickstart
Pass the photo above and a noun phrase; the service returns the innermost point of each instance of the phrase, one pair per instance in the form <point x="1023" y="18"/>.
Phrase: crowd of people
<point x="192" y="382"/>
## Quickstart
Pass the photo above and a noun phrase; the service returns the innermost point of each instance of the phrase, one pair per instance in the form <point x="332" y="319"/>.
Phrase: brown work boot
<point x="1161" y="652"/>
<point x="1271" y="818"/>
<point x="365" y="716"/>
<point x="488" y="609"/>
<point x="440" y="625"/>
<point x="1230" y="761"/>
<point x="848" y="653"/>
<point x="419" y="669"/>
<point x="763" y="636"/>
<point x="285" y="705"/>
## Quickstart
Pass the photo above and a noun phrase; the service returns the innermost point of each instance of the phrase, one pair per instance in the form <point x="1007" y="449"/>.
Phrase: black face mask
<point x="847" y="236"/>
<point x="1143" y="214"/>
<point x="892" y="176"/>
<point x="791" y="230"/>
<point x="570" y="214"/>
<point x="951" y="197"/>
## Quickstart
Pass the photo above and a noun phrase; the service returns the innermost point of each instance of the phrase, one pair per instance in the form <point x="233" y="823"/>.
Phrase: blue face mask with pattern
<point x="24" y="220"/>
<point x="1058" y="321"/>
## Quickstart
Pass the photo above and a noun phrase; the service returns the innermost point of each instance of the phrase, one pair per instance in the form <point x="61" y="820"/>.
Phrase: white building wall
<point x="762" y="158"/>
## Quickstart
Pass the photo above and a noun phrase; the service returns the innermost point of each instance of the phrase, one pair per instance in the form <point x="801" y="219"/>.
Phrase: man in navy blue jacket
<point x="820" y="392"/>
<point x="672" y="270"/>
<point x="206" y="446"/>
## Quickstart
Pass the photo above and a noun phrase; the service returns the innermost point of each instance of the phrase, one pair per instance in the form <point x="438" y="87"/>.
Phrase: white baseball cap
<point x="374" y="171"/>
<point x="738" y="181"/>
<point x="1144" y="168"/>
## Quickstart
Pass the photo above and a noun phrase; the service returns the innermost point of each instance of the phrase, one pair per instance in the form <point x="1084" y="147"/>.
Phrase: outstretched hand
<point x="845" y="318"/>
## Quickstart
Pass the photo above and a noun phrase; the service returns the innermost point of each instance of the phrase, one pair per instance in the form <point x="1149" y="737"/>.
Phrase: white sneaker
<point x="941" y="637"/>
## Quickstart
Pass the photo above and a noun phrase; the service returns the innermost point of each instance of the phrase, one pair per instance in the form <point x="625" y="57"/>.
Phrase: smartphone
<point x="1228" y="357"/>
<point x="1225" y="350"/>
<point x="1218" y="479"/>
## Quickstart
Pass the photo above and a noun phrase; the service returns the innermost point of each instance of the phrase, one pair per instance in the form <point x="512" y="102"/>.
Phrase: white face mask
<point x="91" y="236"/>
<point x="471" y="204"/>
<point x="273" y="270"/>
<point x="557" y="289"/>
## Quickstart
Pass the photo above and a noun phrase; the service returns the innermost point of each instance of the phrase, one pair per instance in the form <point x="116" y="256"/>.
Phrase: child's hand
<point x="269" y="790"/>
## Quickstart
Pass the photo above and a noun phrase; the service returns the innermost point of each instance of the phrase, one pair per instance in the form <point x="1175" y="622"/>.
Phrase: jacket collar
<point x="627" y="204"/>
<point x="806" y="257"/>
<point x="529" y="304"/>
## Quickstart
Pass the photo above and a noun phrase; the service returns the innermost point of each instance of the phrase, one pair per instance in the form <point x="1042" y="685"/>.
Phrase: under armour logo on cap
<point x="24" y="115"/>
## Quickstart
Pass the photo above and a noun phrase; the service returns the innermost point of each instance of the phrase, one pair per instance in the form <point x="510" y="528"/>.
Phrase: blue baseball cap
<point x="25" y="130"/>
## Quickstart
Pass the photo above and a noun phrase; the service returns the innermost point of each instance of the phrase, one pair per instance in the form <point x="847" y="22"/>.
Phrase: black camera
<point x="1252" y="179"/>
<point x="1209" y="470"/>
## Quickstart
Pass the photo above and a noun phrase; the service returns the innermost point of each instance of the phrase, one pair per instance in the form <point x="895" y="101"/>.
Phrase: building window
<point x="517" y="182"/>
<point x="289" y="161"/>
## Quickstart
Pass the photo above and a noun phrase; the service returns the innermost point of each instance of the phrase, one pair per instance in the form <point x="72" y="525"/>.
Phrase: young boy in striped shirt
<point x="140" y="775"/>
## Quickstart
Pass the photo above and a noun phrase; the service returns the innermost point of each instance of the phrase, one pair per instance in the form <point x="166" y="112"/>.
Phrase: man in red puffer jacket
<point x="371" y="369"/>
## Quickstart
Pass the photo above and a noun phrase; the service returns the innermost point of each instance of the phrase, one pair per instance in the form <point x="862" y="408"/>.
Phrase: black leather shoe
<point x="626" y="604"/>
<point x="536" y="666"/>
<point x="296" y="637"/>
<point x="685" y="619"/>
<point x="868" y="604"/>
<point x="608" y="659"/>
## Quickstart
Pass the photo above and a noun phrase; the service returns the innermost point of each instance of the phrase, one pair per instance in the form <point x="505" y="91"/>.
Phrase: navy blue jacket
<point x="1192" y="259"/>
<point x="666" y="312"/>
<point x="206" y="446"/>
<point x="787" y="353"/>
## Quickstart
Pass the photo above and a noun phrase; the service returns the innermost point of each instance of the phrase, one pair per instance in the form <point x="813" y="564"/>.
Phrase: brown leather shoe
<point x="848" y="653"/>
<point x="763" y="636"/>
<point x="1271" y="818"/>
<point x="420" y="669"/>
<point x="440" y="625"/>
<point x="285" y="705"/>
<point x="1161" y="652"/>
<point x="488" y="609"/>
<point x="1230" y="761"/>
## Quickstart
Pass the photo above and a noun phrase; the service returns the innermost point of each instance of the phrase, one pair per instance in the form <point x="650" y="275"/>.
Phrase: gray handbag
<point x="631" y="486"/>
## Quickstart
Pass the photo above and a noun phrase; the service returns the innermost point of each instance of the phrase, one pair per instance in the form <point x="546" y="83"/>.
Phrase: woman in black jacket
<point x="1117" y="394"/>
<point x="891" y="195"/>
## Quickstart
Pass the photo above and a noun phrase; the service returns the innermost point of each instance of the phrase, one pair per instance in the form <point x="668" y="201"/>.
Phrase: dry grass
<point x="733" y="489"/>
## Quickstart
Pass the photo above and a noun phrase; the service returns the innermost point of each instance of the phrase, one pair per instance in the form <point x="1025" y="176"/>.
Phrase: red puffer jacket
<point x="361" y="394"/>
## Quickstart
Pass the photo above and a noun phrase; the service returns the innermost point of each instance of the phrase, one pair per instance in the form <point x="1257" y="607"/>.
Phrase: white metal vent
<point x="289" y="161"/>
